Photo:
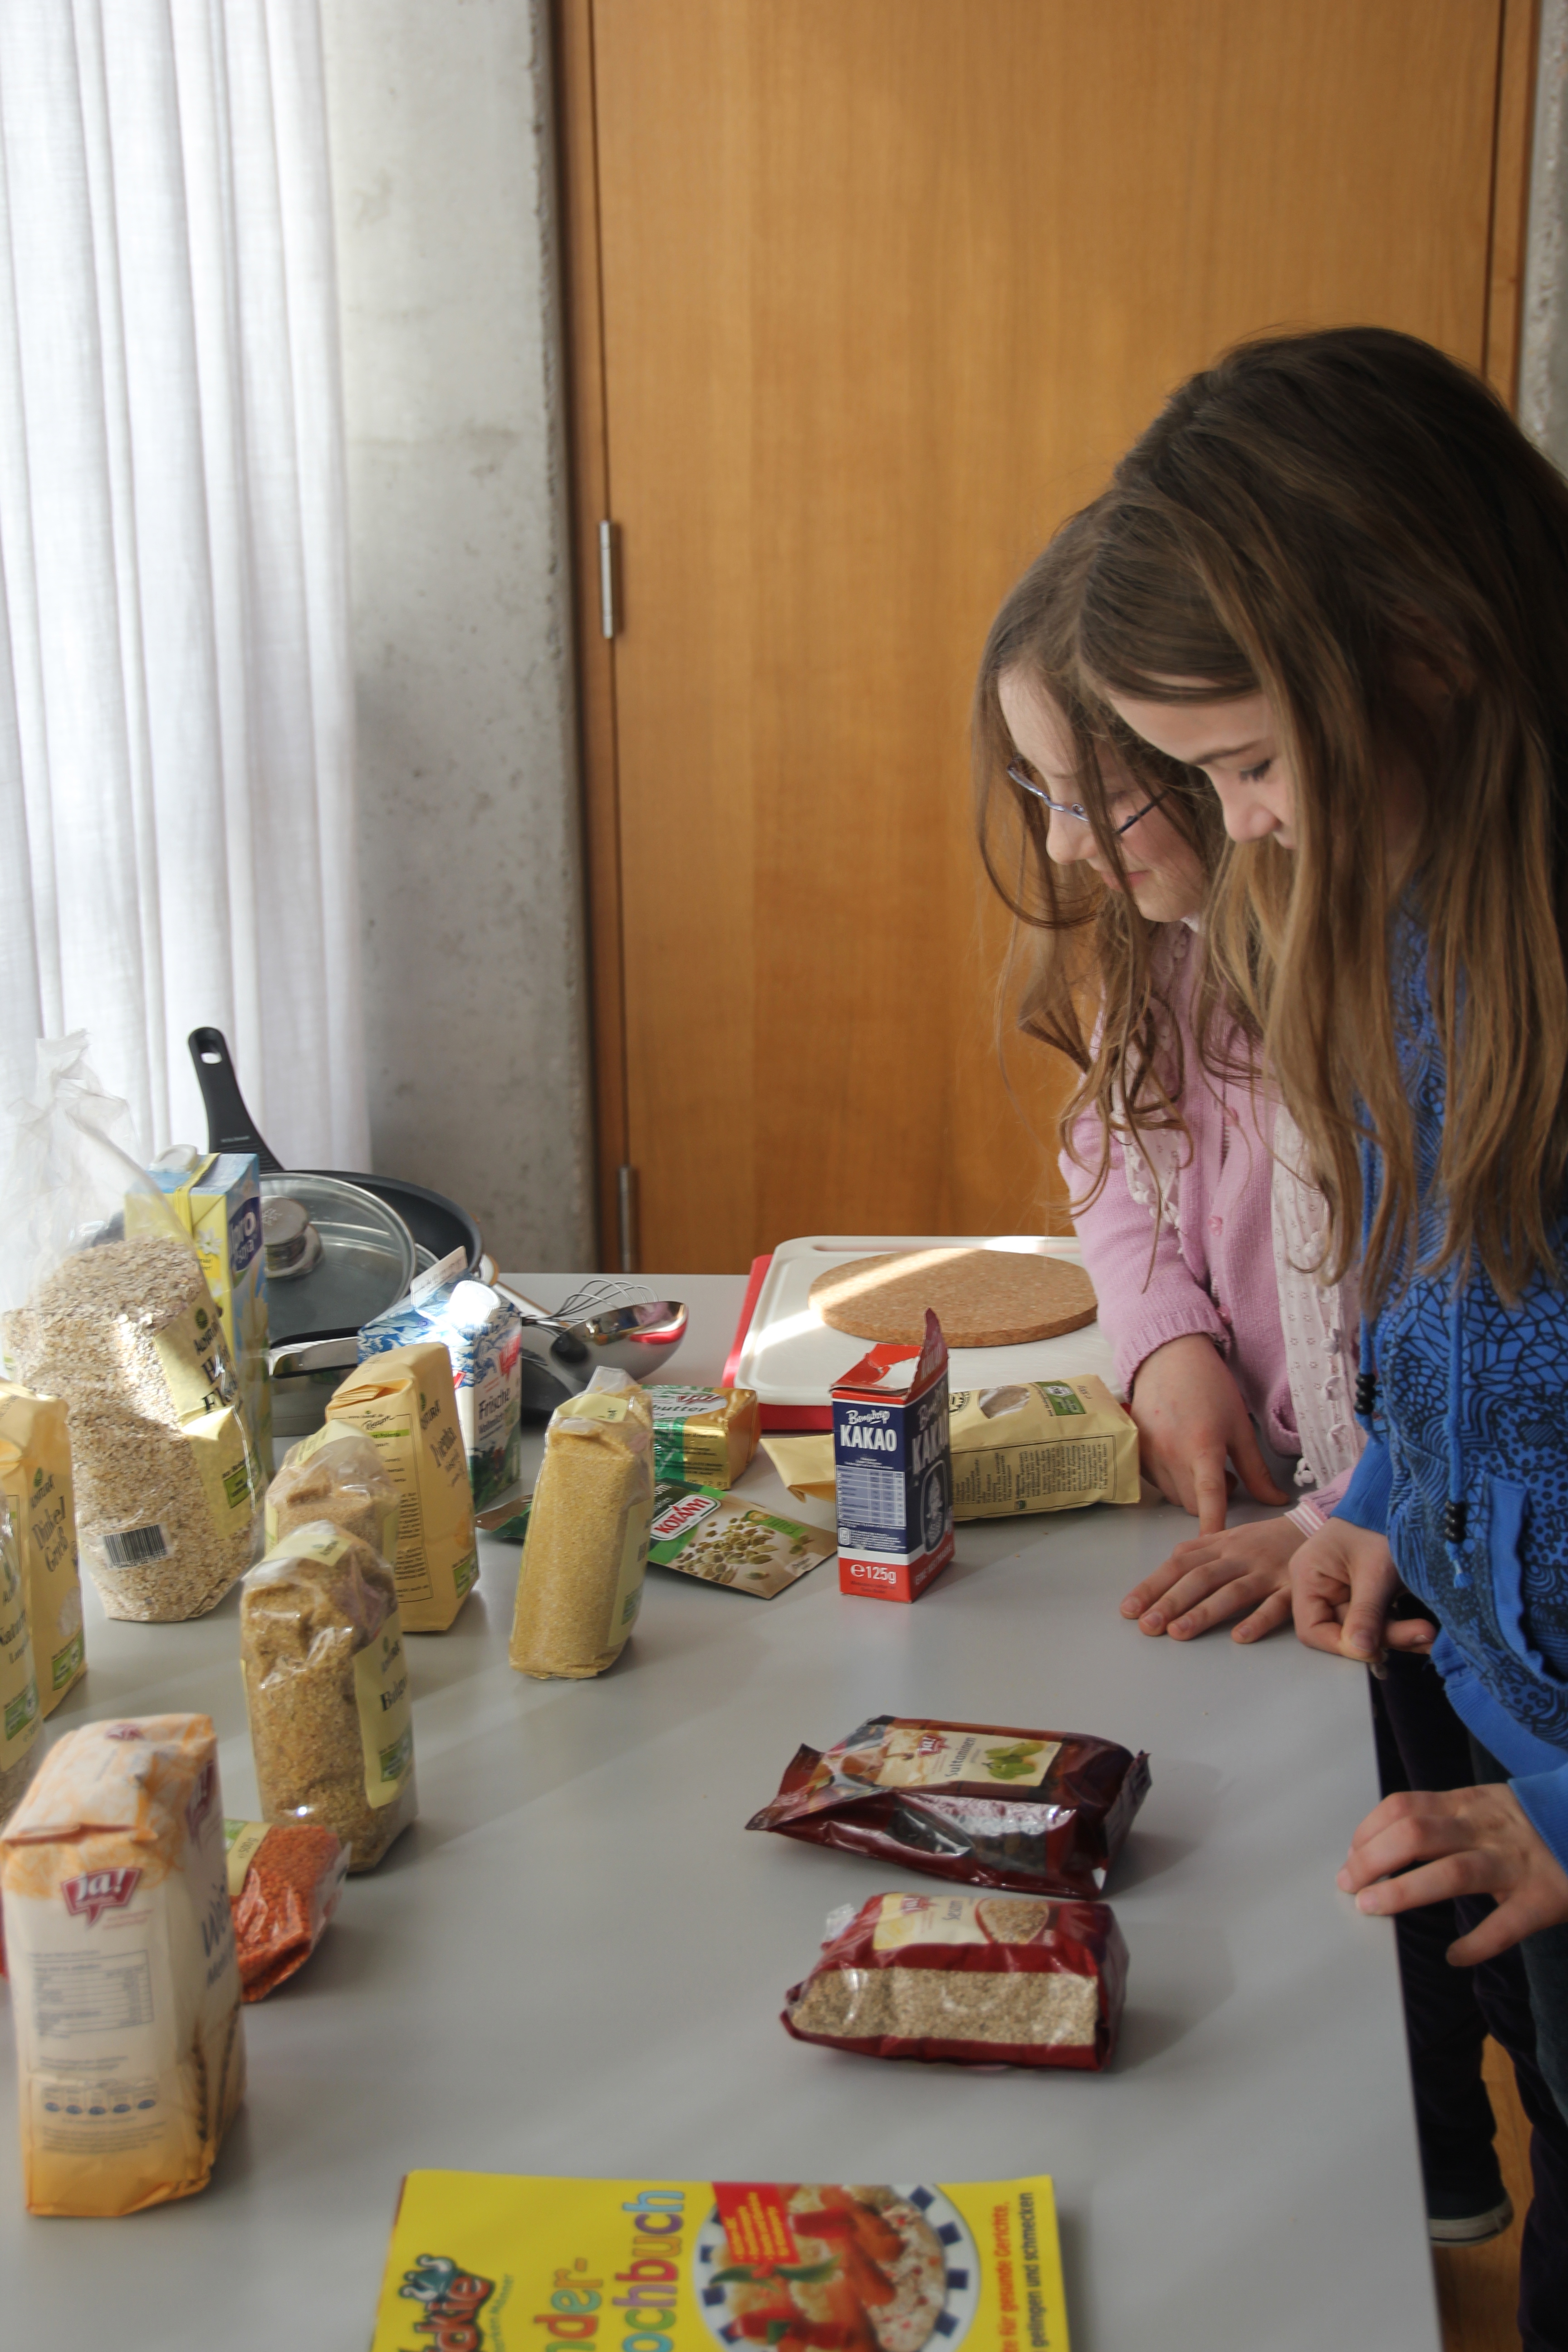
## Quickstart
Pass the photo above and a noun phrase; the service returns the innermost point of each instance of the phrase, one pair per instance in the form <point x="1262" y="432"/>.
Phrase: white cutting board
<point x="791" y="1357"/>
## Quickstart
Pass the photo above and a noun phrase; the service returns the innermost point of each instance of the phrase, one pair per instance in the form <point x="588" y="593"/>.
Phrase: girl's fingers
<point x="1267" y="1618"/>
<point x="1252" y="1468"/>
<point x="1210" y="1491"/>
<point x="1468" y="1872"/>
<point x="1408" y="1634"/>
<point x="1227" y="1598"/>
<point x="1498" y="1931"/>
<point x="1154" y="1587"/>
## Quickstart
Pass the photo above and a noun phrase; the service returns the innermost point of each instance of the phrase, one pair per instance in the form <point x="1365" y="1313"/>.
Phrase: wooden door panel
<point x="886" y="285"/>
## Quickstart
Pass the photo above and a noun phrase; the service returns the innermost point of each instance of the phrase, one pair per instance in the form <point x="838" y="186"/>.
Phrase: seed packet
<point x="482" y="1333"/>
<point x="404" y="1402"/>
<point x="580" y="1584"/>
<point x="36" y="1476"/>
<point x="986" y="1981"/>
<point x="284" y="1881"/>
<point x="120" y="1949"/>
<point x="1040" y="1813"/>
<point x="719" y="1538"/>
<point x="703" y="1437"/>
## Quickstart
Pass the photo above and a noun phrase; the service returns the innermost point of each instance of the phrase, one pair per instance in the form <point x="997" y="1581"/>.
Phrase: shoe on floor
<point x="1454" y="2219"/>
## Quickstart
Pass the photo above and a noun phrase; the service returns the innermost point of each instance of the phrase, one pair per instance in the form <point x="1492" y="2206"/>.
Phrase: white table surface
<point x="574" y="1963"/>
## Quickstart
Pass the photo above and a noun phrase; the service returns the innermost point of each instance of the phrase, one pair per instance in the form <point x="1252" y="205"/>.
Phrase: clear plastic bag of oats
<point x="106" y="1306"/>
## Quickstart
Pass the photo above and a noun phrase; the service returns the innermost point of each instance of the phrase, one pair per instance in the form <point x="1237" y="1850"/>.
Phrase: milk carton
<point x="892" y="1469"/>
<point x="482" y="1333"/>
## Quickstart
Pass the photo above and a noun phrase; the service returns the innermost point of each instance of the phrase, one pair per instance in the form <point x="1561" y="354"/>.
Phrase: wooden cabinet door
<point x="864" y="296"/>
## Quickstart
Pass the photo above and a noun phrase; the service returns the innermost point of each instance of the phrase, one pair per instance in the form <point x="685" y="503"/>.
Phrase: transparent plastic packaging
<point x="583" y="1560"/>
<point x="336" y="1474"/>
<point x="326" y="1687"/>
<point x="284" y="1882"/>
<point x="109" y="1308"/>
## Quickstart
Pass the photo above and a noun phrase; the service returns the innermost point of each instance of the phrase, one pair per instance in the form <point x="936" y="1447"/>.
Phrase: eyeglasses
<point x="1075" y="808"/>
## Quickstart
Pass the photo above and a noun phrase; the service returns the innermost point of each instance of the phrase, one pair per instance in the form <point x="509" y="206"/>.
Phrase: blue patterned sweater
<point x="1472" y="1409"/>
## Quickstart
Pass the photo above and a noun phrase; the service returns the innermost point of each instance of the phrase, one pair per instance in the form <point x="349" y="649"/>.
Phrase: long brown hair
<point x="1331" y="519"/>
<point x="1090" y="983"/>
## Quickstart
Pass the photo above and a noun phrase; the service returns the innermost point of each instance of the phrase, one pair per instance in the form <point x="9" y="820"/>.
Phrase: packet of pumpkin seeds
<point x="704" y="1532"/>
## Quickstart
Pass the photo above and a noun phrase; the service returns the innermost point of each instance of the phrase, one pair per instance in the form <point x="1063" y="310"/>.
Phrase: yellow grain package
<point x="580" y="1585"/>
<point x="405" y="1402"/>
<point x="35" y="1478"/>
<point x="120" y="1946"/>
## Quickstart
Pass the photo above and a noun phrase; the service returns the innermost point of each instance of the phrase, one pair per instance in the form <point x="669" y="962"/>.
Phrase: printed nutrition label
<point x="870" y="1496"/>
<point x="90" y="1992"/>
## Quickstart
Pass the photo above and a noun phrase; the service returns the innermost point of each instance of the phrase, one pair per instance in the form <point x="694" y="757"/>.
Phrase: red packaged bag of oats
<point x="987" y="1980"/>
<point x="1036" y="1812"/>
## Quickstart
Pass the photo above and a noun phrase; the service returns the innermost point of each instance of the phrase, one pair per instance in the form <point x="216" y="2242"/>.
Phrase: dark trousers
<point x="1423" y="1745"/>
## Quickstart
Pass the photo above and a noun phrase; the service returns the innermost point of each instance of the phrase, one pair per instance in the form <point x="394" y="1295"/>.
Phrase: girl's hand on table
<point x="1342" y="1584"/>
<point x="1210" y="1577"/>
<point x="1190" y="1419"/>
<point x="1467" y="1841"/>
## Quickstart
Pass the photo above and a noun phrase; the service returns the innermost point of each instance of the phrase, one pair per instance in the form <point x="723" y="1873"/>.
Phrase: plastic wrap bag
<point x="1043" y="1812"/>
<point x="584" y="1557"/>
<point x="110" y="1309"/>
<point x="326" y="1687"/>
<point x="284" y="1882"/>
<point x="336" y="1475"/>
<point x="987" y="1980"/>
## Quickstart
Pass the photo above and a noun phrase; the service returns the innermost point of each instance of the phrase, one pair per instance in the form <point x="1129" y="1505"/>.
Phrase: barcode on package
<point x="134" y="1547"/>
<point x="870" y="1496"/>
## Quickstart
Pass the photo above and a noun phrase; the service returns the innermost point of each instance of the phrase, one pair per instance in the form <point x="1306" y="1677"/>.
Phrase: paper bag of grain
<point x="20" y="1719"/>
<point x="335" y="1474"/>
<point x="580" y="1585"/>
<point x="406" y="1403"/>
<point x="120" y="1944"/>
<point x="1047" y="1445"/>
<point x="35" y="1478"/>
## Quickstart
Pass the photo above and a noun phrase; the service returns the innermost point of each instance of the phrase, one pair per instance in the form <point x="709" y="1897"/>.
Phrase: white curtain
<point x="176" y="796"/>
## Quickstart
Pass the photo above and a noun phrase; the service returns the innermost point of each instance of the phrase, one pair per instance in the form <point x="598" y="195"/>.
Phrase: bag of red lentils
<point x="986" y="1981"/>
<point x="284" y="1881"/>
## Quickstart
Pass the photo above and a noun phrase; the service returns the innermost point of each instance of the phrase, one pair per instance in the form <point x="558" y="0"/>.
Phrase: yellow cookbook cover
<point x="484" y="2261"/>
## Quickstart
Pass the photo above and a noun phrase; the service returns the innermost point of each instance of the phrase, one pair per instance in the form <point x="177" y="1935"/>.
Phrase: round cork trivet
<point x="984" y="1298"/>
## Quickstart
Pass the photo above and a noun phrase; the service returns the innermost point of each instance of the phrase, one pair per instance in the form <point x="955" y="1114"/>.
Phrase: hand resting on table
<point x="1240" y="1572"/>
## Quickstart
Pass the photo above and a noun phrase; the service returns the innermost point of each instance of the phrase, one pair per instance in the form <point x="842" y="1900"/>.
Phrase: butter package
<point x="120" y="1944"/>
<point x="703" y="1437"/>
<point x="219" y="1205"/>
<point x="482" y="1333"/>
<point x="35" y="1479"/>
<point x="1048" y="1445"/>
<point x="404" y="1402"/>
<point x="893" y="1469"/>
<point x="724" y="1540"/>
<point x="20" y="1720"/>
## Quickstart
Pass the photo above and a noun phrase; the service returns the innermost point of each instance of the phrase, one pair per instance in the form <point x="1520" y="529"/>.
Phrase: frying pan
<point x="437" y="1223"/>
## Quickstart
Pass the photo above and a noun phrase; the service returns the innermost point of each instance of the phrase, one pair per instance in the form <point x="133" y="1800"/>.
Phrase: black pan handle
<point x="230" y="1127"/>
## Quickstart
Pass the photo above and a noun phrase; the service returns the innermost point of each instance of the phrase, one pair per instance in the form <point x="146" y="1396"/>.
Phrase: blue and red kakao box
<point x="893" y="1469"/>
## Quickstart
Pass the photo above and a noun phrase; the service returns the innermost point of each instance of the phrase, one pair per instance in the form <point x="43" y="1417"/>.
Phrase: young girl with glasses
<point x="1198" y="1231"/>
<point x="1333" y="575"/>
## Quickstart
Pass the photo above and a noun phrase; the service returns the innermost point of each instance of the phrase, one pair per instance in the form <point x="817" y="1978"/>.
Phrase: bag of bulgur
<point x="110" y="1311"/>
<point x="35" y="1478"/>
<point x="326" y="1687"/>
<point x="580" y="1584"/>
<point x="406" y="1403"/>
<point x="20" y="1720"/>
<point x="339" y="1474"/>
<point x="987" y="1980"/>
<point x="121" y="1950"/>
